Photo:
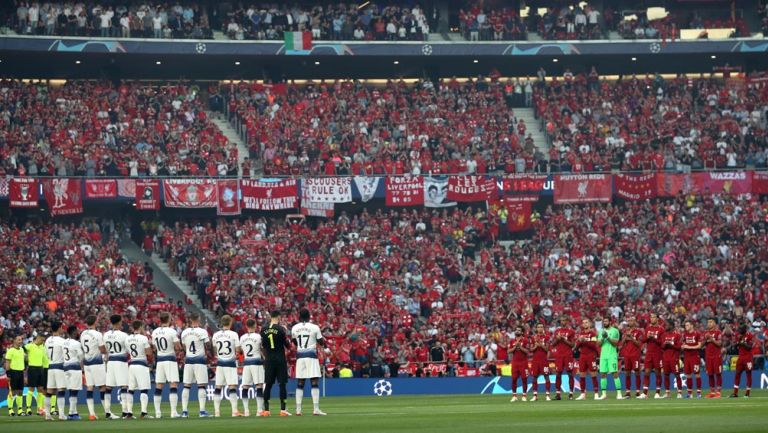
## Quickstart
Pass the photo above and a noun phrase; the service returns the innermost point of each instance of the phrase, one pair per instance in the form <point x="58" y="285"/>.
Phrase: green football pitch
<point x="468" y="413"/>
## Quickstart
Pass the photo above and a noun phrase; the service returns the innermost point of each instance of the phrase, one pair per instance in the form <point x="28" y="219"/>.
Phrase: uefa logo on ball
<point x="382" y="388"/>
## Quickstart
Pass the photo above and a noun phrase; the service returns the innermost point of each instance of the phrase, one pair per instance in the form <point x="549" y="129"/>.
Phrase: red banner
<point x="317" y="208"/>
<point x="525" y="187"/>
<point x="147" y="193"/>
<point x="404" y="191"/>
<point x="100" y="188"/>
<point x="760" y="182"/>
<point x="270" y="195"/>
<point x="519" y="216"/>
<point x="23" y="192"/>
<point x="672" y="184"/>
<point x="64" y="196"/>
<point x="126" y="188"/>
<point x="472" y="188"/>
<point x="636" y="186"/>
<point x="582" y="188"/>
<point x="227" y="194"/>
<point x="725" y="182"/>
<point x="189" y="193"/>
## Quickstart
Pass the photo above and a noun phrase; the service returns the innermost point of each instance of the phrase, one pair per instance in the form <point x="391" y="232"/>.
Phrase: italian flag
<point x="298" y="41"/>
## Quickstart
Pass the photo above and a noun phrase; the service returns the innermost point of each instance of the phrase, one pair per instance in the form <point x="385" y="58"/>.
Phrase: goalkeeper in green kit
<point x="609" y="357"/>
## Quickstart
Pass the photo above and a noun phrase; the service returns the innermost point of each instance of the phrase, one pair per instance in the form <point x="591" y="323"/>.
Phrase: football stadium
<point x="395" y="215"/>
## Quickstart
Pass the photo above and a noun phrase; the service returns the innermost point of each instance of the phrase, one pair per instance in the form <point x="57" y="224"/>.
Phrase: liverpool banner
<point x="317" y="208"/>
<point x="64" y="196"/>
<point x="636" y="186"/>
<point x="526" y="187"/>
<point x="126" y="188"/>
<point x="404" y="191"/>
<point x="327" y="189"/>
<point x="760" y="182"/>
<point x="472" y="188"/>
<point x="518" y="216"/>
<point x="582" y="188"/>
<point x="228" y="197"/>
<point x="270" y="194"/>
<point x="436" y="192"/>
<point x="100" y="188"/>
<point x="673" y="184"/>
<point x="726" y="182"/>
<point x="23" y="192"/>
<point x="147" y="192"/>
<point x="189" y="193"/>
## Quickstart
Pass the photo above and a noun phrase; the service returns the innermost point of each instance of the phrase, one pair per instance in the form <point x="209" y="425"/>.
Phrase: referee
<point x="14" y="366"/>
<point x="37" y="376"/>
<point x="274" y="343"/>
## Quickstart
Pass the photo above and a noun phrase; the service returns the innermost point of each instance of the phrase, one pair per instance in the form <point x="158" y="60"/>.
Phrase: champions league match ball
<point x="382" y="388"/>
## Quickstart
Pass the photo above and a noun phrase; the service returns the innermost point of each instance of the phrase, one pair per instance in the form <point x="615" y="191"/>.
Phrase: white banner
<point x="436" y="192"/>
<point x="327" y="189"/>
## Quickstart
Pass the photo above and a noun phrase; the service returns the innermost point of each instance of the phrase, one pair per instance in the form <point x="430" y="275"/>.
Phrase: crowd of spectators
<point x="653" y="123"/>
<point x="340" y="21"/>
<point x="65" y="272"/>
<point x="397" y="288"/>
<point x="568" y="22"/>
<point x="88" y="128"/>
<point x="125" y="20"/>
<point x="477" y="24"/>
<point x="347" y="127"/>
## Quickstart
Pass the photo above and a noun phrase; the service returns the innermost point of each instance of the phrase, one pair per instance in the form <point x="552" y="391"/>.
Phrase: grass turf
<point x="460" y="413"/>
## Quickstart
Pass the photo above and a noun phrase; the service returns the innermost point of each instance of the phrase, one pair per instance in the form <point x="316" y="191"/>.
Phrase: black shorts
<point x="275" y="371"/>
<point x="16" y="380"/>
<point x="37" y="377"/>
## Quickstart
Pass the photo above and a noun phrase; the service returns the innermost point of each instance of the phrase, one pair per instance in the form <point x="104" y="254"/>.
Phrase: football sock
<point x="127" y="400"/>
<point x="157" y="400"/>
<point x="594" y="383"/>
<point x="102" y="395"/>
<point x="60" y="402"/>
<point x="89" y="402"/>
<point x="617" y="383"/>
<point x="719" y="377"/>
<point x="283" y="395"/>
<point x="72" y="402"/>
<point x="712" y="383"/>
<point x="639" y="380"/>
<point x="689" y="384"/>
<point x="570" y="383"/>
<point x="144" y="399"/>
<point x="316" y="398"/>
<point x="299" y="397"/>
<point x="47" y="405"/>
<point x="233" y="400"/>
<point x="558" y="382"/>
<point x="173" y="396"/>
<point x="217" y="396"/>
<point x="666" y="382"/>
<point x="54" y="400"/>
<point x="185" y="399"/>
<point x="201" y="397"/>
<point x="583" y="383"/>
<point x="604" y="384"/>
<point x="107" y="400"/>
<point x="658" y="381"/>
<point x="698" y="384"/>
<point x="259" y="399"/>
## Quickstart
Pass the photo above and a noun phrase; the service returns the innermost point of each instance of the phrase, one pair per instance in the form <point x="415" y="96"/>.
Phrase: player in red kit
<point x="744" y="341"/>
<point x="518" y="347"/>
<point x="692" y="343"/>
<point x="563" y="342"/>
<point x="672" y="344"/>
<point x="540" y="361"/>
<point x="653" y="362"/>
<point x="586" y="342"/>
<point x="713" y="358"/>
<point x="631" y="351"/>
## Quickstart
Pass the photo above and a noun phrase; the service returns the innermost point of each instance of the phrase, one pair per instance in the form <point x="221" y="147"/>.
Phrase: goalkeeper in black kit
<point x="274" y="343"/>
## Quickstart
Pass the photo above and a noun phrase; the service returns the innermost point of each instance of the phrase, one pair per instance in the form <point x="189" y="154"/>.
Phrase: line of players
<point x="662" y="347"/>
<point x="116" y="360"/>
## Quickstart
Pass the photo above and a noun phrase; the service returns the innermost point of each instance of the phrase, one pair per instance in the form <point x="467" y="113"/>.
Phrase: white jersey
<point x="116" y="347"/>
<point x="92" y="341"/>
<point x="137" y="348"/>
<point x="194" y="340"/>
<point x="164" y="340"/>
<point x="225" y="344"/>
<point x="251" y="345"/>
<point x="306" y="335"/>
<point x="73" y="354"/>
<point x="54" y="348"/>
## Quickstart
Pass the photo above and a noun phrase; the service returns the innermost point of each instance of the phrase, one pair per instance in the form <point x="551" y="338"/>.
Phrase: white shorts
<point x="195" y="373"/>
<point x="167" y="371"/>
<point x="253" y="375"/>
<point x="117" y="374"/>
<point x="226" y="376"/>
<point x="307" y="368"/>
<point x="57" y="379"/>
<point x="138" y="377"/>
<point x="95" y="375"/>
<point x="75" y="379"/>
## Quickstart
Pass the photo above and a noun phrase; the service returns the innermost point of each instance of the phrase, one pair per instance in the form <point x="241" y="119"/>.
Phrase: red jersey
<point x="692" y="338"/>
<point x="711" y="350"/>
<point x="653" y="336"/>
<point x="745" y="353"/>
<point x="588" y="347"/>
<point x="516" y="346"/>
<point x="561" y="349"/>
<point x="630" y="349"/>
<point x="540" y="354"/>
<point x="671" y="342"/>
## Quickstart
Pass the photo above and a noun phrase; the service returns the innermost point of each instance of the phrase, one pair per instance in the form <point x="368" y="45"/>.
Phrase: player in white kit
<point x="307" y="336"/>
<point x="138" y="369"/>
<point x="253" y="367"/>
<point x="57" y="378"/>
<point x="197" y="345"/>
<point x="166" y="343"/>
<point x="92" y="343"/>
<point x="117" y="365"/>
<point x="226" y="345"/>
<point x="73" y="368"/>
